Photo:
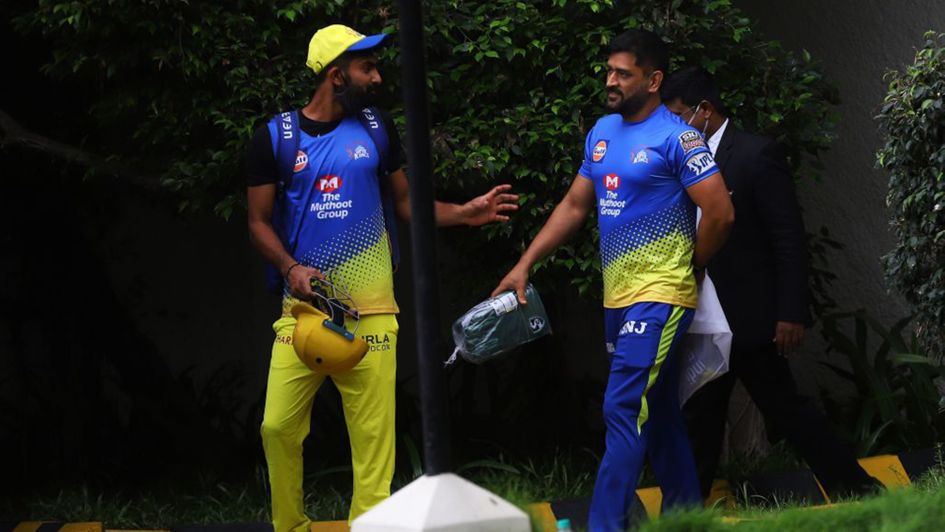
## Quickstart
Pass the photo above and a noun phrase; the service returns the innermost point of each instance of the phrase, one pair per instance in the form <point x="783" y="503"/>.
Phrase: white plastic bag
<point x="705" y="348"/>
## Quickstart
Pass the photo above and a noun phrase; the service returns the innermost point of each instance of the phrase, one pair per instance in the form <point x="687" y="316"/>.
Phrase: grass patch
<point x="246" y="502"/>
<point x="920" y="507"/>
<point x="327" y="495"/>
<point x="563" y="475"/>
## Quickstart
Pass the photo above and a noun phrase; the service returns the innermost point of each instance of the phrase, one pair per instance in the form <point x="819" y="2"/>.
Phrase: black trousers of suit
<point x="768" y="379"/>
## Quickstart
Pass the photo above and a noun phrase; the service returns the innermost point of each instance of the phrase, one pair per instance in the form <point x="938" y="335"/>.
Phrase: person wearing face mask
<point x="760" y="275"/>
<point x="320" y="209"/>
<point x="644" y="173"/>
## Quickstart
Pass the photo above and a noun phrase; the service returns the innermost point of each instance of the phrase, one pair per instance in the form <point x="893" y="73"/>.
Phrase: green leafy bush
<point x="176" y="88"/>
<point x="913" y="124"/>
<point x="897" y="404"/>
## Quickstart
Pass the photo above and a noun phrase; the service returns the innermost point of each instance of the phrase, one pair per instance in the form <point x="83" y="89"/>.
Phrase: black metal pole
<point x="422" y="233"/>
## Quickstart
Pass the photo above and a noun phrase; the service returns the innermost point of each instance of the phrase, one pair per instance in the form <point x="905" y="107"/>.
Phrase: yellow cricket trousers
<point x="367" y="395"/>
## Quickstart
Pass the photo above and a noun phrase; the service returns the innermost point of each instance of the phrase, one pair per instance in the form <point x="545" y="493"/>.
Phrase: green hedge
<point x="176" y="88"/>
<point x="912" y="122"/>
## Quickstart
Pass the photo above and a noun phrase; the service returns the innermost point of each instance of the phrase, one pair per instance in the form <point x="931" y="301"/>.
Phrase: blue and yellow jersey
<point x="332" y="213"/>
<point x="640" y="172"/>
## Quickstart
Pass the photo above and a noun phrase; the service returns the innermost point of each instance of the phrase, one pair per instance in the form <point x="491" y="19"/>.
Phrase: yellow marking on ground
<point x="826" y="506"/>
<point x="330" y="526"/>
<point x="82" y="527"/>
<point x="128" y="530"/>
<point x="543" y="516"/>
<point x="33" y="526"/>
<point x="720" y="496"/>
<point x="823" y="492"/>
<point x="887" y="469"/>
<point x="652" y="499"/>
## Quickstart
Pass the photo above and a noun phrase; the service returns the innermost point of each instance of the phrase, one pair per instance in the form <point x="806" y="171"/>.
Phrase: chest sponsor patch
<point x="328" y="183"/>
<point x="600" y="149"/>
<point x="301" y="161"/>
<point x="699" y="163"/>
<point x="612" y="181"/>
<point x="328" y="203"/>
<point x="611" y="204"/>
<point x="690" y="140"/>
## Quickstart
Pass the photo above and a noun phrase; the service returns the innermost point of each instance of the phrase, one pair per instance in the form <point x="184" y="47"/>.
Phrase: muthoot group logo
<point x="611" y="204"/>
<point x="330" y="204"/>
<point x="612" y="181"/>
<point x="328" y="183"/>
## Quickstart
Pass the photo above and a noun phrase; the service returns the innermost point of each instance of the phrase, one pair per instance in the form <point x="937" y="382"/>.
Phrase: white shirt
<point x="716" y="138"/>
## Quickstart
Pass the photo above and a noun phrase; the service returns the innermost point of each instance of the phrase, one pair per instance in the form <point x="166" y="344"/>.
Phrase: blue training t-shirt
<point x="332" y="213"/>
<point x="647" y="222"/>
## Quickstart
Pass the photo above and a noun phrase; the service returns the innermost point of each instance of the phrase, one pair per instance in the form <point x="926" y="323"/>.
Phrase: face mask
<point x="705" y="127"/>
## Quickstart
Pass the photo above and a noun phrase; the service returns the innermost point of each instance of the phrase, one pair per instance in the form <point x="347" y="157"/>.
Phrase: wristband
<point x="290" y="269"/>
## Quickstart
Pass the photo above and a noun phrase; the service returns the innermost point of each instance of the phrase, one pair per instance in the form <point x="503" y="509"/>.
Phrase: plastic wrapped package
<point x="498" y="325"/>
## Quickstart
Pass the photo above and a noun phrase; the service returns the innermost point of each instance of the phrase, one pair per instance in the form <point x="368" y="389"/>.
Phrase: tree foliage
<point x="176" y="89"/>
<point x="914" y="155"/>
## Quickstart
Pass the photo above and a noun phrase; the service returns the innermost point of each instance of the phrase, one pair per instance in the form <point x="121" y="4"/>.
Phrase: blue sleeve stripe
<point x="701" y="178"/>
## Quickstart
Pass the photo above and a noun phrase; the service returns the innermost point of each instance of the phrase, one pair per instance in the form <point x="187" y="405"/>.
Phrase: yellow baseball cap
<point x="331" y="41"/>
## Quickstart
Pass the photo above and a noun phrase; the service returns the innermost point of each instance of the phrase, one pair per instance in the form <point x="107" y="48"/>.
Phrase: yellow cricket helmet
<point x="323" y="345"/>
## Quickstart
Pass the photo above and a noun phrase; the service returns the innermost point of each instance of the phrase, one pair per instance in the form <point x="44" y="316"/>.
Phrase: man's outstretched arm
<point x="566" y="219"/>
<point x="493" y="206"/>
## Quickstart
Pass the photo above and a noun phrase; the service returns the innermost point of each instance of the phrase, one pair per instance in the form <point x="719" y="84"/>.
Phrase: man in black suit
<point x="760" y="275"/>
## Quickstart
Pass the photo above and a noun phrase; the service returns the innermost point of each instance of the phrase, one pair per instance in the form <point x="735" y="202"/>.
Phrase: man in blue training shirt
<point x="331" y="216"/>
<point x="646" y="171"/>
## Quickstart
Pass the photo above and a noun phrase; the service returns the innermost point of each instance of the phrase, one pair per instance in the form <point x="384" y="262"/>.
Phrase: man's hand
<point x="299" y="281"/>
<point x="516" y="280"/>
<point x="788" y="336"/>
<point x="490" y="206"/>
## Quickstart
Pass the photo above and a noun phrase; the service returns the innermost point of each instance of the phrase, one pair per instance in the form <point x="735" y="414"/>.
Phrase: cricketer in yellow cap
<point x="318" y="180"/>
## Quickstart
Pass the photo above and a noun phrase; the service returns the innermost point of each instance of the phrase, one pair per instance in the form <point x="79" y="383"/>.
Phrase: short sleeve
<point x="690" y="158"/>
<point x="260" y="163"/>
<point x="585" y="170"/>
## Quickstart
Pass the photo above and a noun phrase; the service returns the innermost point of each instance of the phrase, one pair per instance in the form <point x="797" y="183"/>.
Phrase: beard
<point x="353" y="98"/>
<point x="626" y="105"/>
